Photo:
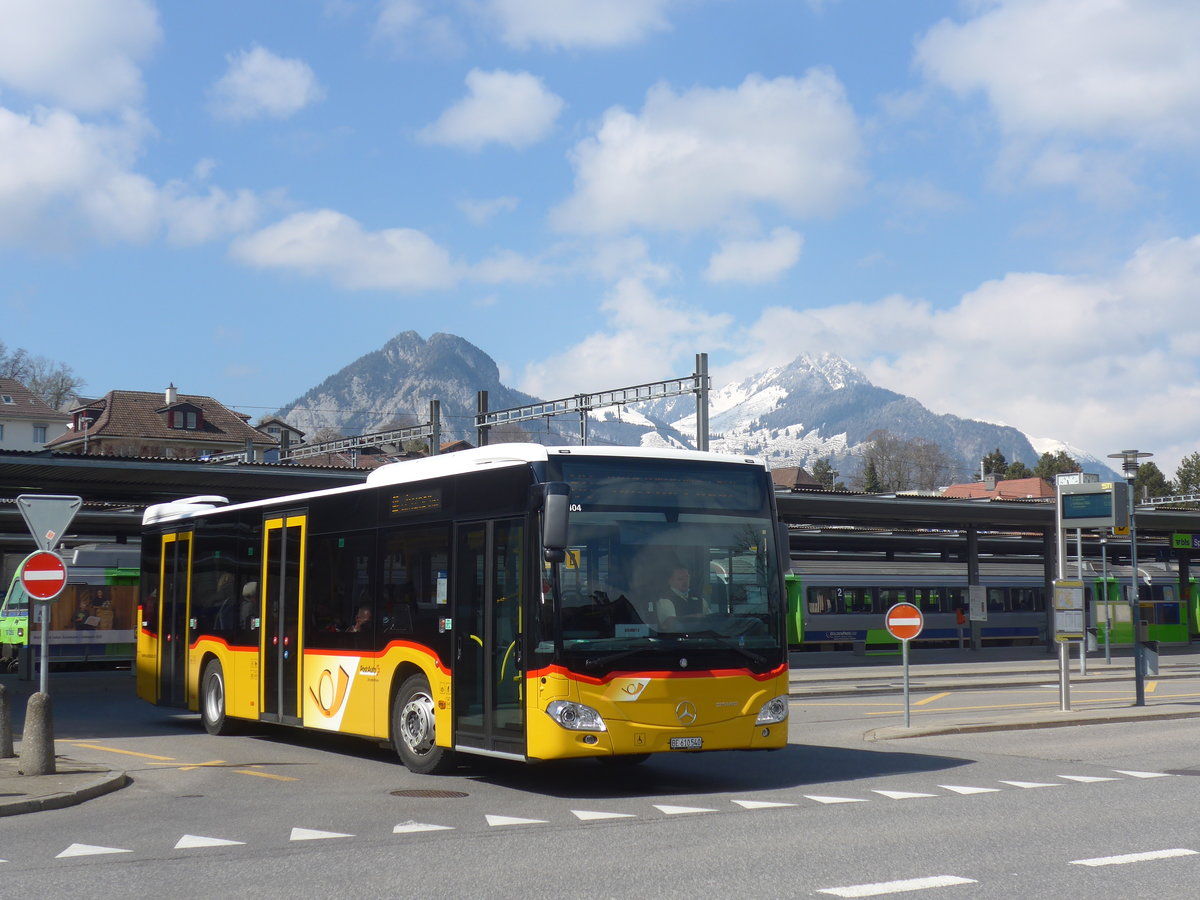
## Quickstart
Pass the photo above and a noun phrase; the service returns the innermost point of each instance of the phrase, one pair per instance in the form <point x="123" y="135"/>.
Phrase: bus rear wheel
<point x="413" y="729"/>
<point x="212" y="700"/>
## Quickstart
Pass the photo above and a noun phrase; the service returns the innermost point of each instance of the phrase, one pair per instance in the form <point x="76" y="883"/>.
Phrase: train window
<point x="1026" y="599"/>
<point x="889" y="597"/>
<point x="819" y="601"/>
<point x="853" y="600"/>
<point x="928" y="599"/>
<point x="995" y="599"/>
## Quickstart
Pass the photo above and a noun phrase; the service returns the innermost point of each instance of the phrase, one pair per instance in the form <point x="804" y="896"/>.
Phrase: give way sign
<point x="904" y="621"/>
<point x="43" y="575"/>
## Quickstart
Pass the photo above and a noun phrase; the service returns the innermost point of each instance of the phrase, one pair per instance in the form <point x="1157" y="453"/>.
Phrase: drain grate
<point x="430" y="794"/>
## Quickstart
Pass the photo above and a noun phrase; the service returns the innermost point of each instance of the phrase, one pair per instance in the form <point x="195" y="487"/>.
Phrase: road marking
<point x="125" y="752"/>
<point x="419" y="827"/>
<point x="897" y="887"/>
<point x="902" y="795"/>
<point x="192" y="841"/>
<point x="266" y="775"/>
<point x="310" y="834"/>
<point x="932" y="698"/>
<point x="1086" y="779"/>
<point x="821" y="799"/>
<point x="88" y="850"/>
<point x="210" y="763"/>
<point x="501" y="821"/>
<point x="585" y="815"/>
<point x="961" y="789"/>
<point x="1030" y="784"/>
<point x="761" y="804"/>
<point x="1132" y="858"/>
<point x="1142" y="774"/>
<point x="681" y="810"/>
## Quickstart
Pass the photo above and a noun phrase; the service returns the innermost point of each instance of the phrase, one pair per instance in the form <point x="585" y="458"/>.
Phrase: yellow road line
<point x="213" y="762"/>
<point x="931" y="698"/>
<point x="265" y="775"/>
<point x="125" y="752"/>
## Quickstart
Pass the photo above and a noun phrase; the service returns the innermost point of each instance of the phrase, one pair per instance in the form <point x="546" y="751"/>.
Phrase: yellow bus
<point x="514" y="601"/>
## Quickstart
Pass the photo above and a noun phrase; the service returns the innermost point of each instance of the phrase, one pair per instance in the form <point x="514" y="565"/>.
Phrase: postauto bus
<point x="506" y="601"/>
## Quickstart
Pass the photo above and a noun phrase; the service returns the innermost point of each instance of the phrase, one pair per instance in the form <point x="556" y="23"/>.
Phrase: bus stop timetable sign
<point x="47" y="516"/>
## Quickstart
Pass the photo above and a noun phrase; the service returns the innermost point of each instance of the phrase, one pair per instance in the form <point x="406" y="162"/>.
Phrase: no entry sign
<point x="43" y="575"/>
<point x="904" y="621"/>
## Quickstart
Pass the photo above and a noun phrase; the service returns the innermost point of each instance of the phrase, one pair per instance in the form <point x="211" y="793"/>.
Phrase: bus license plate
<point x="687" y="743"/>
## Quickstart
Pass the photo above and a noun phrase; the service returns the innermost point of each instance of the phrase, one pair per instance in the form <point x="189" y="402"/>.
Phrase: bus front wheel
<point x="212" y="700"/>
<point x="413" y="731"/>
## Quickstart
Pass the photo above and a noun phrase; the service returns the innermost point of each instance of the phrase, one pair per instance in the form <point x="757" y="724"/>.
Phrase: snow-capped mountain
<point x="814" y="408"/>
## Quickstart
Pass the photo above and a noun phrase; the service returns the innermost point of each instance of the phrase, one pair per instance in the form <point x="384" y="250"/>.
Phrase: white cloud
<point x="480" y="212"/>
<point x="1120" y="69"/>
<point x="512" y="108"/>
<point x="325" y="243"/>
<point x="82" y="54"/>
<point x="259" y="83"/>
<point x="66" y="182"/>
<point x="1027" y="348"/>
<point x="756" y="261"/>
<point x="410" y="26"/>
<point x="707" y="156"/>
<point x="647" y="337"/>
<point x="578" y="23"/>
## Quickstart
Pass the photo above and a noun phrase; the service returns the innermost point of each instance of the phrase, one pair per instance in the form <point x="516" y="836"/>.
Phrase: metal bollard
<point x="6" y="737"/>
<point x="37" y="743"/>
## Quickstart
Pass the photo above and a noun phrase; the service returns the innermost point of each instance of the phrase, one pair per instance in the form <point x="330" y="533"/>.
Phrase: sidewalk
<point x="821" y="675"/>
<point x="74" y="782"/>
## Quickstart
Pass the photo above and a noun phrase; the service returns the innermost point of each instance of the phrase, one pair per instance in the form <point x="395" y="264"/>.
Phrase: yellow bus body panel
<point x="642" y="712"/>
<point x="352" y="693"/>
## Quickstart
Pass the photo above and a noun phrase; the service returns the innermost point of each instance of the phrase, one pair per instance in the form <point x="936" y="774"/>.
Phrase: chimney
<point x="171" y="394"/>
<point x="989" y="481"/>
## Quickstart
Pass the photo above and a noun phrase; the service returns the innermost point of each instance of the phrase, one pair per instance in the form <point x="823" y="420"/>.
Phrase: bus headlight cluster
<point x="575" y="716"/>
<point x="774" y="710"/>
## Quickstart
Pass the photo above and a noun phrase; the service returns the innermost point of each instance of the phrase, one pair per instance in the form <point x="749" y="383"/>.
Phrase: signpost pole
<point x="904" y="621"/>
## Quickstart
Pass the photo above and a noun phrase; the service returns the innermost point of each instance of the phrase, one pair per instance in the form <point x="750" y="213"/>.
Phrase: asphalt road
<point x="1104" y="810"/>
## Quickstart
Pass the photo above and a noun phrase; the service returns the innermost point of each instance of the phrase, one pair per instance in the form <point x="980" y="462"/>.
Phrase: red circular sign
<point x="43" y="575"/>
<point x="904" y="621"/>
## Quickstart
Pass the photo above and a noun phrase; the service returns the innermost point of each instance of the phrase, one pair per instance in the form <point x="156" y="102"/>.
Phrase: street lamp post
<point x="1129" y="467"/>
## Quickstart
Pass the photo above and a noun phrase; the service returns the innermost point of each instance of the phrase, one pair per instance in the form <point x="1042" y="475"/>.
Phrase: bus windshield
<point x="667" y="567"/>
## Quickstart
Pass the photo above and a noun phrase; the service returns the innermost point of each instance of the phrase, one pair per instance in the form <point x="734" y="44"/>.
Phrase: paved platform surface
<point x="813" y="676"/>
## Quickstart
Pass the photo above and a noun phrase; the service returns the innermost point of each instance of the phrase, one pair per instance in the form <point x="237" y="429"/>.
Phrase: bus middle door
<point x="282" y="584"/>
<point x="488" y="674"/>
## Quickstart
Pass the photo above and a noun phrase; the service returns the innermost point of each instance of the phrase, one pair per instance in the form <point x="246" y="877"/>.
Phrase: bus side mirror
<point x="555" y="504"/>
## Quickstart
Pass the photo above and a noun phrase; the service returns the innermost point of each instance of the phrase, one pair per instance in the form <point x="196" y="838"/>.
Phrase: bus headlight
<point x="774" y="710"/>
<point x="575" y="716"/>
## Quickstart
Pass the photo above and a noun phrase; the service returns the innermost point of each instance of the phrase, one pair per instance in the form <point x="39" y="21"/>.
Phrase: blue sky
<point x="990" y="205"/>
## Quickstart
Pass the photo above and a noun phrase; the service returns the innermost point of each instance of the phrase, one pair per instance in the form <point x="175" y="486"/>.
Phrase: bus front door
<point x="488" y="673"/>
<point x="174" y="588"/>
<point x="282" y="583"/>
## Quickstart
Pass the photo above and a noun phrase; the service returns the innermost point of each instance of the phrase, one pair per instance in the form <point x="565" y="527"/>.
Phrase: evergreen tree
<point x="870" y="477"/>
<point x="995" y="463"/>
<point x="1051" y="464"/>
<point x="1151" y="482"/>
<point x="1187" y="476"/>
<point x="1017" y="469"/>
<point x="824" y="473"/>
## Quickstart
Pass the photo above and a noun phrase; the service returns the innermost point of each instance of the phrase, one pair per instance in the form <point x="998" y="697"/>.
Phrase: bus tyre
<point x="413" y="734"/>
<point x="212" y="700"/>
